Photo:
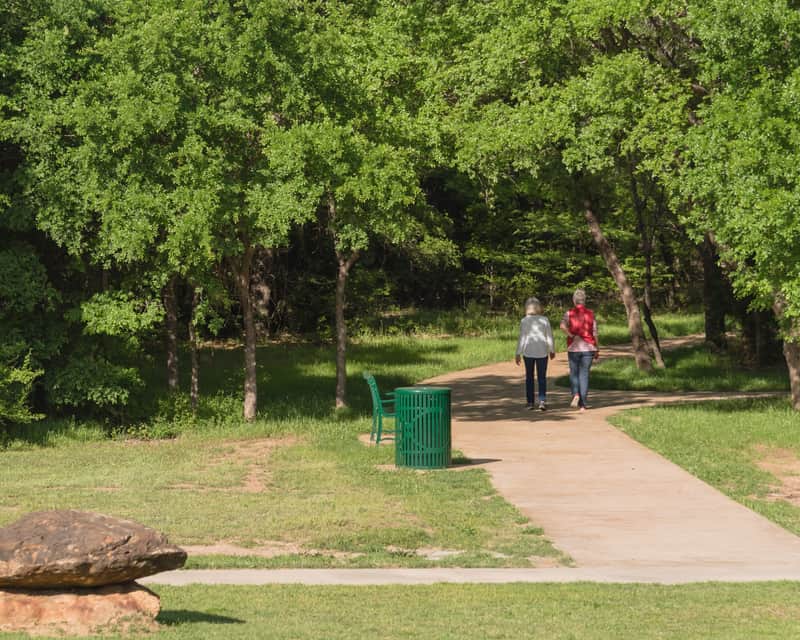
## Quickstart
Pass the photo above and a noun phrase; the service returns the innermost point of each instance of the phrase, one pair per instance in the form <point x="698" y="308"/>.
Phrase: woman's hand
<point x="517" y="359"/>
<point x="552" y="356"/>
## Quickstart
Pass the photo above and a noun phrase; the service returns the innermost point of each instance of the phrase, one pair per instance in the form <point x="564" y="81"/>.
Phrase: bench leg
<point x="380" y="429"/>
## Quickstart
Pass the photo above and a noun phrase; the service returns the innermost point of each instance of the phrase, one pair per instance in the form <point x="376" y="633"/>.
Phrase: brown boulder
<point x="54" y="549"/>
<point x="120" y="608"/>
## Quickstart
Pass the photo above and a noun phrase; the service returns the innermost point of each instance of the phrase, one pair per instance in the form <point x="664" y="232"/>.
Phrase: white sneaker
<point x="542" y="406"/>
<point x="575" y="401"/>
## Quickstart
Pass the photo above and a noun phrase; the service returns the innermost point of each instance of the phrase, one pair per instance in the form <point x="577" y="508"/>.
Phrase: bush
<point x="93" y="382"/>
<point x="16" y="382"/>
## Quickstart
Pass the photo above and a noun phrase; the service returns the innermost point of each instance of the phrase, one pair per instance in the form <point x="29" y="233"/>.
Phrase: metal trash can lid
<point x="423" y="389"/>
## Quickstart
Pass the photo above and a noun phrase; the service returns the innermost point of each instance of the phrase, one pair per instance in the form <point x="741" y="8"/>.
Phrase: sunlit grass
<point x="688" y="369"/>
<point x="457" y="612"/>
<point x="722" y="443"/>
<point x="322" y="490"/>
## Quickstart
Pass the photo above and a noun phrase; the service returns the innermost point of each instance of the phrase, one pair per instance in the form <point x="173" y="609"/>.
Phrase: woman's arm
<point x="551" y="341"/>
<point x="565" y="324"/>
<point x="521" y="342"/>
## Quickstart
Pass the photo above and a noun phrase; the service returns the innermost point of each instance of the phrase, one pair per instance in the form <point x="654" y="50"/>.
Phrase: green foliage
<point x="92" y="381"/>
<point x="16" y="382"/>
<point x="448" y="145"/>
<point x="747" y="190"/>
<point x="119" y="314"/>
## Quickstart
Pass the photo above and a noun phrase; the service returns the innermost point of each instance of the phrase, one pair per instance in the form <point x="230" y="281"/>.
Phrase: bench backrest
<point x="373" y="389"/>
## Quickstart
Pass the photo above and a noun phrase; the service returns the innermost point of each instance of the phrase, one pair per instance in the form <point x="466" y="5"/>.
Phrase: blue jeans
<point x="579" y="365"/>
<point x="540" y="364"/>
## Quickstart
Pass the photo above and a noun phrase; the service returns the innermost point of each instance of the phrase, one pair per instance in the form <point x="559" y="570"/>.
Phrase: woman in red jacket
<point x="580" y="326"/>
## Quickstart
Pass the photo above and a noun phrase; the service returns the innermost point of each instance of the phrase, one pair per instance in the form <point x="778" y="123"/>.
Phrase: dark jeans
<point x="540" y="365"/>
<point x="579" y="365"/>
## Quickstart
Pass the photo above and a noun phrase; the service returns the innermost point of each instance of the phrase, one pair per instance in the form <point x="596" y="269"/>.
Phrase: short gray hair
<point x="533" y="303"/>
<point x="579" y="297"/>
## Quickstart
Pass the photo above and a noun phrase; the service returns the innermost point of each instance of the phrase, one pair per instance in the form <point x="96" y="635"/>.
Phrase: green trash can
<point x="423" y="435"/>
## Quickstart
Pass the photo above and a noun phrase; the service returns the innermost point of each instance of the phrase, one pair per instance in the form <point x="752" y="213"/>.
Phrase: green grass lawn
<point x="297" y="476"/>
<point x="330" y="497"/>
<point x="748" y="449"/>
<point x="455" y="612"/>
<point x="687" y="369"/>
<point x="336" y="501"/>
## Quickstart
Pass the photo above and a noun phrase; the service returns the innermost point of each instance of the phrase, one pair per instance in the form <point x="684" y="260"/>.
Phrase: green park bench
<point x="379" y="411"/>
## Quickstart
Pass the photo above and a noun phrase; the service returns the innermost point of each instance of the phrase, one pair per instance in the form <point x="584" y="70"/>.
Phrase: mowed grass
<point x="324" y="497"/>
<point x="748" y="449"/>
<point x="696" y="368"/>
<point x="456" y="612"/>
<point x="296" y="476"/>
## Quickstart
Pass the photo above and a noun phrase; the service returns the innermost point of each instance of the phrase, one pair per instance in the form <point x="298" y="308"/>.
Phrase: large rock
<point x="79" y="612"/>
<point x="55" y="549"/>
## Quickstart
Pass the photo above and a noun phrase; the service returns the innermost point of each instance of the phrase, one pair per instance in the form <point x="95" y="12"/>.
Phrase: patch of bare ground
<point x="784" y="465"/>
<point x="429" y="553"/>
<point x="254" y="454"/>
<point x="545" y="562"/>
<point x="364" y="438"/>
<point x="271" y="549"/>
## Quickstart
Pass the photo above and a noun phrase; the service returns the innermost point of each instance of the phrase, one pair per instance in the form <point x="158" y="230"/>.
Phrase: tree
<point x="739" y="163"/>
<point x="177" y="148"/>
<point x="556" y="103"/>
<point x="361" y="141"/>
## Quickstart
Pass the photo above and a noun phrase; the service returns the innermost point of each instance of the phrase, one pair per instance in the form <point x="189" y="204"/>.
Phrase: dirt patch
<point x="272" y="549"/>
<point x="254" y="454"/>
<point x="364" y="438"/>
<point x="545" y="562"/>
<point x="784" y="465"/>
<point x="429" y="553"/>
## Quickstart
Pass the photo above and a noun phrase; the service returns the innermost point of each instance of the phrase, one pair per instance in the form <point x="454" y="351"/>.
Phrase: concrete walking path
<point x="621" y="511"/>
<point x="603" y="498"/>
<point x="410" y="577"/>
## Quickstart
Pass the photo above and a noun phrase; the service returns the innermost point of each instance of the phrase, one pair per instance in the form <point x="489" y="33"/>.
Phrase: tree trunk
<point x="635" y="328"/>
<point x="242" y="274"/>
<point x="791" y="349"/>
<point x="194" y="386"/>
<point x="345" y="264"/>
<point x="262" y="289"/>
<point x="647" y="250"/>
<point x="714" y="299"/>
<point x="171" y="310"/>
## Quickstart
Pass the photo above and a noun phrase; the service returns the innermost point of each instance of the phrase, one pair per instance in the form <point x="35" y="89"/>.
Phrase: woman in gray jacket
<point x="534" y="346"/>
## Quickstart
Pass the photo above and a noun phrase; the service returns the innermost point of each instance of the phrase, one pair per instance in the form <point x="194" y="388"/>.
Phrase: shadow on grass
<point x="301" y="378"/>
<point x="688" y="368"/>
<point x="296" y="381"/>
<point x="177" y="617"/>
<point x="769" y="400"/>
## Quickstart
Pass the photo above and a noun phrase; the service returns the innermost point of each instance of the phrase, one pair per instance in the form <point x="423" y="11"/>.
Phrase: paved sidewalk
<point x="600" y="496"/>
<point x="373" y="577"/>
<point x="623" y="513"/>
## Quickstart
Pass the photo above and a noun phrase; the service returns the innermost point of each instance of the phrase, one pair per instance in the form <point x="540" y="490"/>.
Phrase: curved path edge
<point x="410" y="577"/>
<point x="601" y="497"/>
<point x="622" y="512"/>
